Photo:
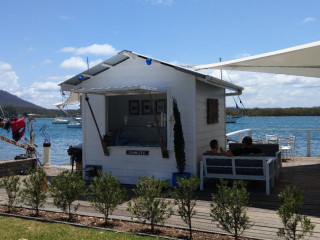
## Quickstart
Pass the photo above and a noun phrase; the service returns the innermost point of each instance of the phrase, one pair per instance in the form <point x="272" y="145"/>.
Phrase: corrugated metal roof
<point x="97" y="69"/>
<point x="124" y="55"/>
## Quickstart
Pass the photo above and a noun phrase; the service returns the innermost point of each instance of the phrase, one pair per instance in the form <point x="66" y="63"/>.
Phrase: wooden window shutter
<point x="212" y="111"/>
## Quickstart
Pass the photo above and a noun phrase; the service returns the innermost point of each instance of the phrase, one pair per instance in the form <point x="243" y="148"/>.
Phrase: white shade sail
<point x="73" y="98"/>
<point x="303" y="60"/>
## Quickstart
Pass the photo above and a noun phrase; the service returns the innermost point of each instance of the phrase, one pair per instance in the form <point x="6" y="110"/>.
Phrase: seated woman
<point x="215" y="148"/>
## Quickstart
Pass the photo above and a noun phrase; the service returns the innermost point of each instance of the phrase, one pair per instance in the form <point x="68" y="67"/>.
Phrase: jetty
<point x="300" y="171"/>
<point x="17" y="166"/>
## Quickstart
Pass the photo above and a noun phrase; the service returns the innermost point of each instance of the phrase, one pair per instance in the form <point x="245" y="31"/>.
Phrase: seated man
<point x="215" y="148"/>
<point x="247" y="148"/>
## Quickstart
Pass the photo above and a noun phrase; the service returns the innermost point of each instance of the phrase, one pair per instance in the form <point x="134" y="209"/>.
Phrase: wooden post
<point x="201" y="175"/>
<point x="308" y="143"/>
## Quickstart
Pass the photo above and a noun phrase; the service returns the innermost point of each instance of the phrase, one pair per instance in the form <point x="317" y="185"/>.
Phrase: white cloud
<point x="57" y="78"/>
<point x="44" y="92"/>
<point x="74" y="63"/>
<point x="5" y="66"/>
<point x="161" y="2"/>
<point x="8" y="77"/>
<point x="309" y="19"/>
<point x="273" y="90"/>
<point x="78" y="63"/>
<point x="30" y="49"/>
<point x="97" y="49"/>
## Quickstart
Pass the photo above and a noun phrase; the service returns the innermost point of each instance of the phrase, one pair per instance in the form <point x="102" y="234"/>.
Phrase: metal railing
<point x="240" y="134"/>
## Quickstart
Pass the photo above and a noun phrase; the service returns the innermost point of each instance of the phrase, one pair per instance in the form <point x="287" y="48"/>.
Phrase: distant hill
<point x="12" y="100"/>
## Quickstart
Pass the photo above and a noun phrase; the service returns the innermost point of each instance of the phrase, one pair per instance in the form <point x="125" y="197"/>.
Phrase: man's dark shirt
<point x="245" y="151"/>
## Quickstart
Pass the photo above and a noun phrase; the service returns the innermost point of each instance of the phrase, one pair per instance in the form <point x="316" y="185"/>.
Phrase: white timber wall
<point x="206" y="132"/>
<point x="129" y="168"/>
<point x="91" y="148"/>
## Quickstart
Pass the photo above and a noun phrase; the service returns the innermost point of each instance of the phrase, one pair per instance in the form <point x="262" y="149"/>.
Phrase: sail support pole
<point x="103" y="143"/>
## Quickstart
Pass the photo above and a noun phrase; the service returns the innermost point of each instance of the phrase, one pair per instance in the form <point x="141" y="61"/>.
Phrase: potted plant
<point x="179" y="146"/>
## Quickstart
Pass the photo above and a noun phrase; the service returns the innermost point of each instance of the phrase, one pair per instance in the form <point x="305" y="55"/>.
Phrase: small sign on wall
<point x="137" y="152"/>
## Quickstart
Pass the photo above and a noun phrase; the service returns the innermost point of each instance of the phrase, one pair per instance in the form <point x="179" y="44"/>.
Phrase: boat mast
<point x="220" y="70"/>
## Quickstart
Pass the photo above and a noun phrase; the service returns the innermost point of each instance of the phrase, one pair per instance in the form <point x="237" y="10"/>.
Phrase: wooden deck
<point x="303" y="172"/>
<point x="17" y="166"/>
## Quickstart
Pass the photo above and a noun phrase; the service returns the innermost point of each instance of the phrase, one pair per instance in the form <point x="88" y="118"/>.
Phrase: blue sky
<point x="44" y="42"/>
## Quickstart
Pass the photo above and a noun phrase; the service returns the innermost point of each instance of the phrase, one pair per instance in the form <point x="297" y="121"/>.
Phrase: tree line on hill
<point x="273" y="112"/>
<point x="14" y="111"/>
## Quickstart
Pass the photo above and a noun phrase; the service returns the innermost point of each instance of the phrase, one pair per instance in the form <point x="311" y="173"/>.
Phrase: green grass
<point x="15" y="228"/>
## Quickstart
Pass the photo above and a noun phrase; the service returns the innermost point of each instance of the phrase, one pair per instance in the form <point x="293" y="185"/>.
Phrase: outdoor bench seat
<point x="249" y="167"/>
<point x="269" y="149"/>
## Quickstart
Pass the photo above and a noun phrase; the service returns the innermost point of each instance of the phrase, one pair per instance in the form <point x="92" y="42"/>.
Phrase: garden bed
<point x="118" y="225"/>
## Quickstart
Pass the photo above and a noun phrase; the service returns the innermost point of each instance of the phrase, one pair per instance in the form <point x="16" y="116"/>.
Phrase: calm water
<point x="283" y="123"/>
<point x="62" y="137"/>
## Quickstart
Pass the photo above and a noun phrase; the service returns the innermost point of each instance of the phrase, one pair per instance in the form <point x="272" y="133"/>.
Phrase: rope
<point x="2" y="112"/>
<point x="237" y="95"/>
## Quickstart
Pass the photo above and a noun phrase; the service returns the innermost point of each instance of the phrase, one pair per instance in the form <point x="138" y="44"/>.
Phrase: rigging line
<point x="232" y="83"/>
<point x="235" y="102"/>
<point x="237" y="95"/>
<point x="2" y="112"/>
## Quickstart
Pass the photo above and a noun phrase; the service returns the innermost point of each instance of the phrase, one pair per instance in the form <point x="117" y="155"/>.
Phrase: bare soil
<point x="120" y="225"/>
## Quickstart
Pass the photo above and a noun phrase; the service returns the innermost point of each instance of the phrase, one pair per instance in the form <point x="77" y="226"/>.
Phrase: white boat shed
<point x="118" y="125"/>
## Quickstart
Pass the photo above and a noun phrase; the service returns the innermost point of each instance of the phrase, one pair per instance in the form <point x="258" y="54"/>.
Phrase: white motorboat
<point x="60" y="120"/>
<point x="74" y="125"/>
<point x="233" y="119"/>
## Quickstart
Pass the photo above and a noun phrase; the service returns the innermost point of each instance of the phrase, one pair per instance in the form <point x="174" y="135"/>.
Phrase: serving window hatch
<point x="137" y="117"/>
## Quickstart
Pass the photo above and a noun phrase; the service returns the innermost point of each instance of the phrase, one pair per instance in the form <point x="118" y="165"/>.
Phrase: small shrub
<point x="149" y="203"/>
<point x="106" y="193"/>
<point x="228" y="207"/>
<point x="291" y="200"/>
<point x="67" y="187"/>
<point x="11" y="184"/>
<point x="34" y="192"/>
<point x="184" y="195"/>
